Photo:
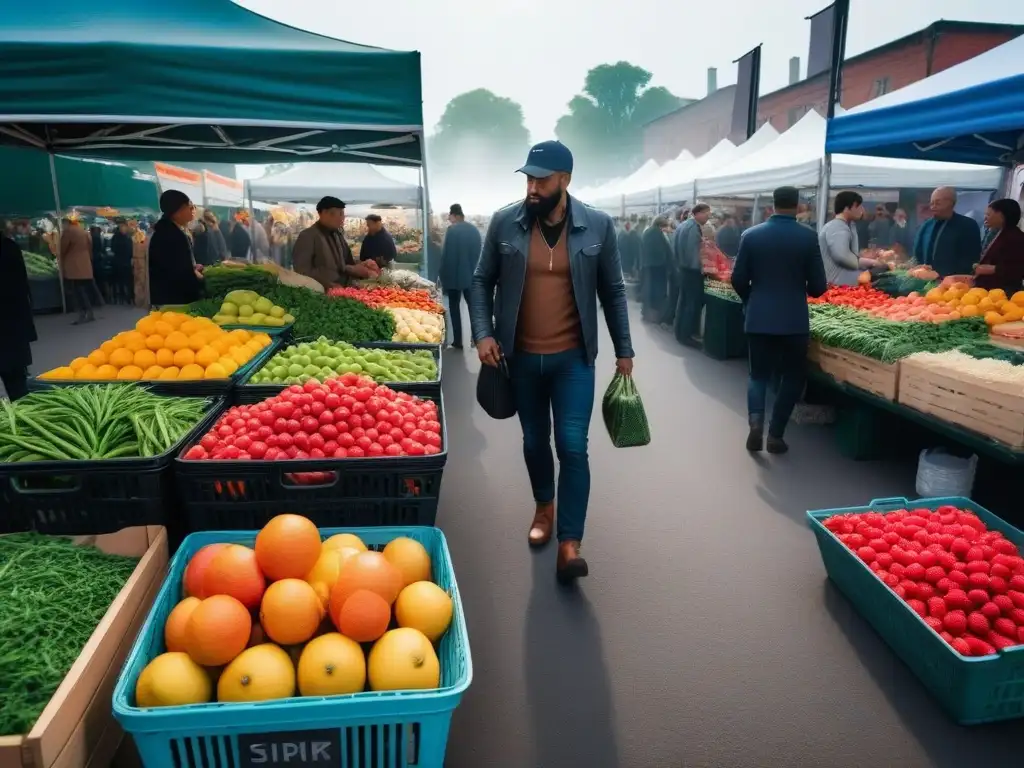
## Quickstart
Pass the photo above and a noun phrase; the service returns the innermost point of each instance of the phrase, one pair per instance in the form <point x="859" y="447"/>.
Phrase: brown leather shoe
<point x="542" y="526"/>
<point x="570" y="565"/>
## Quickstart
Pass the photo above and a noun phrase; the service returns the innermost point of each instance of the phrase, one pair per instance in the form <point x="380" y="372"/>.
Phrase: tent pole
<point x="56" y="203"/>
<point x="824" y="185"/>
<point x="425" y="200"/>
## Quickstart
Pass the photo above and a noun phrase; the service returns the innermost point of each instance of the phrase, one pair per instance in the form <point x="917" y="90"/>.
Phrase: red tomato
<point x="356" y="452"/>
<point x="328" y="431"/>
<point x="195" y="452"/>
<point x="258" y="450"/>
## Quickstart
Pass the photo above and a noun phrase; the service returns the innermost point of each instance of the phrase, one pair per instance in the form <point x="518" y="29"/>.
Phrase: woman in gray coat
<point x="459" y="255"/>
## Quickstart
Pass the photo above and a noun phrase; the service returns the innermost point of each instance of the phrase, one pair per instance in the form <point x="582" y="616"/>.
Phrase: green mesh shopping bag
<point x="624" y="415"/>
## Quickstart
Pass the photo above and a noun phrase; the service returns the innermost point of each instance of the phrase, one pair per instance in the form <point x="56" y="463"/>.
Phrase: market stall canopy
<point x="648" y="196"/>
<point x="679" y="185"/>
<point x="970" y="113"/>
<point x="795" y="158"/>
<point x="356" y="184"/>
<point x="193" y="80"/>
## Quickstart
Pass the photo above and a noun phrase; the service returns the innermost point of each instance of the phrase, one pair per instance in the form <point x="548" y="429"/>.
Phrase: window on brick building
<point x="881" y="87"/>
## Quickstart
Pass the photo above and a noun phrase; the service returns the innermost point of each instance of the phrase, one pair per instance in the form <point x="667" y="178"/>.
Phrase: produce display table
<point x="880" y="379"/>
<point x="724" y="338"/>
<point x="45" y="294"/>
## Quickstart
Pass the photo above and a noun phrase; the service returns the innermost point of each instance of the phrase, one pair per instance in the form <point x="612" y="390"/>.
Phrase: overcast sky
<point x="538" y="51"/>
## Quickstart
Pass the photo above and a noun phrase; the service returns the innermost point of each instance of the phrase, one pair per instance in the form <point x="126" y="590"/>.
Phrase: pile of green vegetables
<point x="889" y="340"/>
<point x="982" y="350"/>
<point x="899" y="283"/>
<point x="100" y="421"/>
<point x="38" y="265"/>
<point x="322" y="359"/>
<point x="52" y="596"/>
<point x="721" y="290"/>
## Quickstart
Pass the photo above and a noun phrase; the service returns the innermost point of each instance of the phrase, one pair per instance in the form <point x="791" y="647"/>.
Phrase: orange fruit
<point x="195" y="571"/>
<point x="190" y="326"/>
<point x="331" y="665"/>
<point x="217" y="631"/>
<point x="164" y="357"/>
<point x="1018" y="298"/>
<point x="121" y="357"/>
<point x="97" y="357"/>
<point x="994" y="318"/>
<point x="86" y="373"/>
<point x="77" y="363"/>
<point x="229" y="365"/>
<point x="146" y="325"/>
<point x="206" y="355"/>
<point x="343" y="540"/>
<point x="969" y="310"/>
<point x="107" y="347"/>
<point x="134" y="341"/>
<point x="233" y="571"/>
<point x="241" y="355"/>
<point x="222" y="344"/>
<point x="197" y="341"/>
<point x="364" y="616"/>
<point x="162" y="328"/>
<point x="154" y="342"/>
<point x="173" y="319"/>
<point x="175" y="341"/>
<point x="191" y="372"/>
<point x="290" y="612"/>
<point x="152" y="373"/>
<point x="426" y="607"/>
<point x="215" y="371"/>
<point x="287" y="547"/>
<point x="105" y="373"/>
<point x="174" y="628"/>
<point x="184" y="356"/>
<point x="145" y="358"/>
<point x="170" y="373"/>
<point x="410" y="558"/>
<point x="367" y="570"/>
<point x="129" y="373"/>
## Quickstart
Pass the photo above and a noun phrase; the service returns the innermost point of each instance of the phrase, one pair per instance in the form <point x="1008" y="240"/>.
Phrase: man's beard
<point x="544" y="206"/>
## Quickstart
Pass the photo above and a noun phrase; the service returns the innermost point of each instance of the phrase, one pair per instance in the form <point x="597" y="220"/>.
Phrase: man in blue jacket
<point x="686" y="244"/>
<point x="949" y="242"/>
<point x="778" y="266"/>
<point x="459" y="255"/>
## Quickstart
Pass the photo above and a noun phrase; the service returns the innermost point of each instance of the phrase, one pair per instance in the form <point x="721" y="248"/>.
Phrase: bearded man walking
<point x="546" y="261"/>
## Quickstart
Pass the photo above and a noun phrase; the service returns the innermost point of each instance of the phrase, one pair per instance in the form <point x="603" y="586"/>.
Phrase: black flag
<point x="828" y="49"/>
<point x="748" y="83"/>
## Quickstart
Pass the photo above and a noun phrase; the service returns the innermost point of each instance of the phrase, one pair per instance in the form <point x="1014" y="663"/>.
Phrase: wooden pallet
<point x="881" y="379"/>
<point x="995" y="411"/>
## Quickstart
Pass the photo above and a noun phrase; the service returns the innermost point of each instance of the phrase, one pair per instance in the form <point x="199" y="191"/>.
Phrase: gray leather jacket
<point x="593" y="262"/>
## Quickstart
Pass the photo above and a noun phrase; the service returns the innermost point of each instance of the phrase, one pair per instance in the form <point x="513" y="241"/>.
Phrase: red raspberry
<point x="879" y="545"/>
<point x="884" y="559"/>
<point x="935" y="624"/>
<point x="867" y="554"/>
<point x="1016" y="597"/>
<point x="978" y="646"/>
<point x="999" y="642"/>
<point x="900" y="591"/>
<point x="1000" y="570"/>
<point x="1005" y="627"/>
<point x="978" y="624"/>
<point x="978" y="566"/>
<point x="996" y="585"/>
<point x="991" y="611"/>
<point x="891" y="579"/>
<point x="924" y="590"/>
<point x="978" y="580"/>
<point x="978" y="596"/>
<point x="1017" y="616"/>
<point x="909" y="588"/>
<point x="960" y="646"/>
<point x="944" y="585"/>
<point x="897" y="569"/>
<point x="927" y="558"/>
<point x="960" y="547"/>
<point x="974" y="553"/>
<point x="919" y="608"/>
<point x="1004" y="602"/>
<point x="1004" y="547"/>
<point x="957" y="577"/>
<point x="937" y="607"/>
<point x="955" y="623"/>
<point x="934" y="574"/>
<point x="1017" y="583"/>
<point x="956" y="599"/>
<point x="915" y="571"/>
<point x="946" y="636"/>
<point x="946" y="560"/>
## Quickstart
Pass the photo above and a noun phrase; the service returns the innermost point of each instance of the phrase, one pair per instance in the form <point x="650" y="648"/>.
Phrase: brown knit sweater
<point x="548" y="319"/>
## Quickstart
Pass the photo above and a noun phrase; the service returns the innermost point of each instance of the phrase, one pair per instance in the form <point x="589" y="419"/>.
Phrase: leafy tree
<point x="479" y="128"/>
<point x="604" y="124"/>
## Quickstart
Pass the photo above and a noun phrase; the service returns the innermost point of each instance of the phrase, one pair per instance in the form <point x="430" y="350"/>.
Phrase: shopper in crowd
<point x="322" y="253"/>
<point x="99" y="275"/>
<point x="217" y="248"/>
<point x="880" y="228"/>
<point x="949" y="242"/>
<point x="76" y="267"/>
<point x="200" y="242"/>
<point x="779" y="265"/>
<point x="1002" y="263"/>
<point x="259" y="240"/>
<point x="16" y="340"/>
<point x="459" y="256"/>
<point x="689" y="270"/>
<point x="655" y="261"/>
<point x="630" y="243"/>
<point x="174" y="276"/>
<point x="728" y="237"/>
<point x="902" y="233"/>
<point x="239" y="242"/>
<point x="378" y="245"/>
<point x="549" y="259"/>
<point x="839" y="241"/>
<point x="123" y="279"/>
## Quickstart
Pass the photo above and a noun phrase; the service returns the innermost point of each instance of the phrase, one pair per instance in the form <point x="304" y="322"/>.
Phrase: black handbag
<point x="494" y="391"/>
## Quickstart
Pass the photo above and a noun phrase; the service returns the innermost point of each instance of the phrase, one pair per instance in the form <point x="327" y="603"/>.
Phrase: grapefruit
<point x="234" y="571"/>
<point x="172" y="680"/>
<point x="217" y="631"/>
<point x="410" y="558"/>
<point x="196" y="570"/>
<point x="341" y="540"/>
<point x="364" y="616"/>
<point x="426" y="607"/>
<point x="288" y="547"/>
<point x="331" y="664"/>
<point x="177" y="621"/>
<point x="290" y="612"/>
<point x="367" y="570"/>
<point x="403" y="660"/>
<point x="260" y="673"/>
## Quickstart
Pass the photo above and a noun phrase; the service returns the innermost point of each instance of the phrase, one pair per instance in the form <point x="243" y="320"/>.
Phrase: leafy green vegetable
<point x="218" y="281"/>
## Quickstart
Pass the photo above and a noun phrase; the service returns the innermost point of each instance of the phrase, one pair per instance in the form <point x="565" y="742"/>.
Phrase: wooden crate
<point x="881" y="379"/>
<point x="77" y="729"/>
<point x="988" y="409"/>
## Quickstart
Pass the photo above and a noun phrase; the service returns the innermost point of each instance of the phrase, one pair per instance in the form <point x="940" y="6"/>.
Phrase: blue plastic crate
<point x="972" y="690"/>
<point x="394" y="729"/>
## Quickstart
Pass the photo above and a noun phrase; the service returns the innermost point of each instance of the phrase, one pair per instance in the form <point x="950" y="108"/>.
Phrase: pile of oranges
<point x="168" y="346"/>
<point x="993" y="305"/>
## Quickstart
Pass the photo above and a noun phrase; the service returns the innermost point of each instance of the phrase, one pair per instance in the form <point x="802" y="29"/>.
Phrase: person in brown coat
<point x="321" y="251"/>
<point x="76" y="267"/>
<point x="1002" y="263"/>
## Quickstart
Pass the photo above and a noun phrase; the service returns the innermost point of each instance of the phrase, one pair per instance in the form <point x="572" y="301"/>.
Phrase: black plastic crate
<point x="228" y="495"/>
<point x="73" y="498"/>
<point x="724" y="337"/>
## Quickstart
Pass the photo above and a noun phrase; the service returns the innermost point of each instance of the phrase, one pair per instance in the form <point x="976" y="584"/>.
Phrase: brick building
<point x="865" y="76"/>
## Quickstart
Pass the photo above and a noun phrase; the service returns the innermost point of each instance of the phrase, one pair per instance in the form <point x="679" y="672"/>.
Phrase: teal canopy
<point x="201" y="81"/>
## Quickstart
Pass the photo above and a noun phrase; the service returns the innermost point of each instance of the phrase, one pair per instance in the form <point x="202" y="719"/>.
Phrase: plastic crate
<point x="93" y="497"/>
<point x="397" y="729"/>
<point x="232" y="495"/>
<point x="284" y="331"/>
<point x="972" y="690"/>
<point x="398" y="345"/>
<point x="724" y="337"/>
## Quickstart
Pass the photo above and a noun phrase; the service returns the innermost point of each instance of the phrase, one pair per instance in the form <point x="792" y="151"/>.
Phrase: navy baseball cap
<point x="547" y="158"/>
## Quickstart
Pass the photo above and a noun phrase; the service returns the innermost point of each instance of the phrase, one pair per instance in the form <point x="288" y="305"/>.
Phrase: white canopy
<point x="355" y="183"/>
<point x="795" y="159"/>
<point x="647" y="196"/>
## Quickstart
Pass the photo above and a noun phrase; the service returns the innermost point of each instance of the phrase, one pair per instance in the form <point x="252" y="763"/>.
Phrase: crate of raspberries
<point x="942" y="580"/>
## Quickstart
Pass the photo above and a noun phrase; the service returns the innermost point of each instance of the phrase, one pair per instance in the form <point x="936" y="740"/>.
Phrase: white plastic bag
<point x="940" y="473"/>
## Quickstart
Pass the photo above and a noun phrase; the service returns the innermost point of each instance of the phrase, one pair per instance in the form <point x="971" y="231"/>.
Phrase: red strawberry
<point x="978" y="580"/>
<point x="1016" y="597"/>
<point x="1004" y="602"/>
<point x="978" y="566"/>
<point x="934" y="623"/>
<point x="1005" y="627"/>
<point x="978" y="596"/>
<point x="999" y="642"/>
<point x="915" y="571"/>
<point x="1017" y="583"/>
<point x="978" y="646"/>
<point x="919" y="608"/>
<point x="958" y="577"/>
<point x="937" y="607"/>
<point x="960" y="646"/>
<point x="956" y="599"/>
<point x="991" y="611"/>
<point x="978" y="624"/>
<point x="955" y="623"/>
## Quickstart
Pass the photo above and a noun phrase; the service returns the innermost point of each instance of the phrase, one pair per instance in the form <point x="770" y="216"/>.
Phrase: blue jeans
<point x="563" y="385"/>
<point x="775" y="358"/>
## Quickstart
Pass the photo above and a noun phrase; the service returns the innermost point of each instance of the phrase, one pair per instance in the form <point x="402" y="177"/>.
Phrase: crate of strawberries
<point x="942" y="580"/>
<point x="348" y="450"/>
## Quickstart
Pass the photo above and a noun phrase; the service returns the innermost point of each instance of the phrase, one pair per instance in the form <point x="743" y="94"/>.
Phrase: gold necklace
<point x="551" y="249"/>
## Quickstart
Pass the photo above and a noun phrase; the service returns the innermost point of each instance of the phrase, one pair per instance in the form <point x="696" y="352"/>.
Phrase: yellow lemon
<point x="172" y="680"/>
<point x="260" y="673"/>
<point x="129" y="373"/>
<point x="229" y="365"/>
<point x="191" y="372"/>
<point x="215" y="371"/>
<point x="331" y="665"/>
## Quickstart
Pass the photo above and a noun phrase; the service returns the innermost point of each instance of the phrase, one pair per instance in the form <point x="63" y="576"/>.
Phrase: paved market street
<point x="707" y="635"/>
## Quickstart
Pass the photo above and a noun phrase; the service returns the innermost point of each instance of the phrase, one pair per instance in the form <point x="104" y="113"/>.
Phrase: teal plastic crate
<point x="392" y="729"/>
<point x="972" y="690"/>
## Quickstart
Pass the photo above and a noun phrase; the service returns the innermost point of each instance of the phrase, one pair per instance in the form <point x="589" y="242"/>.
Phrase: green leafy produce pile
<point x="899" y="283"/>
<point x="220" y="281"/>
<point x="323" y="359"/>
<point x="38" y="265"/>
<point x="721" y="289"/>
<point x="889" y="340"/>
<point x="982" y="350"/>
<point x="52" y="596"/>
<point x="99" y="421"/>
